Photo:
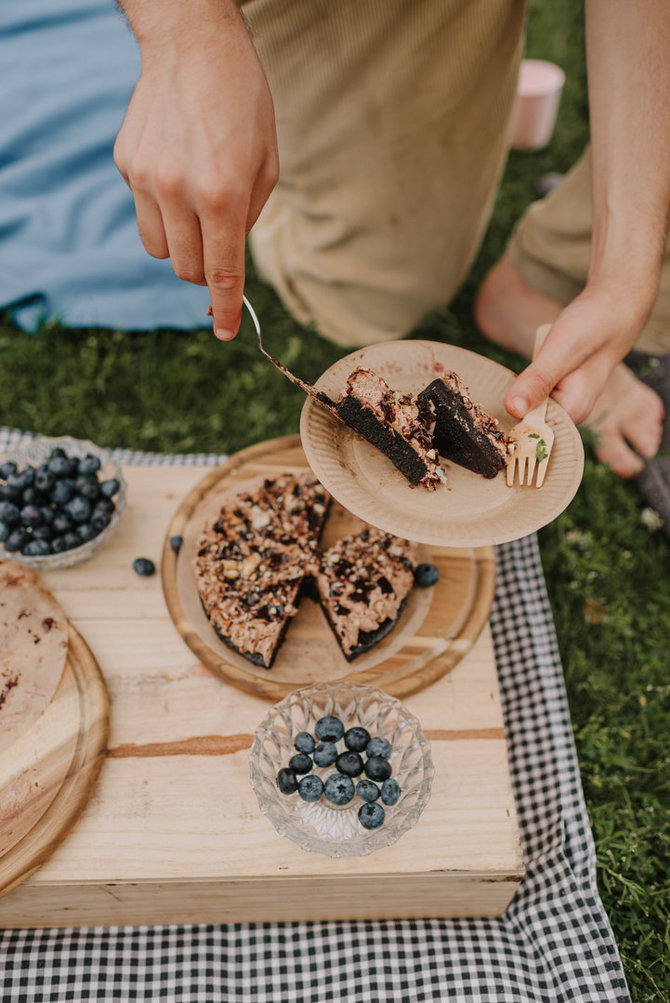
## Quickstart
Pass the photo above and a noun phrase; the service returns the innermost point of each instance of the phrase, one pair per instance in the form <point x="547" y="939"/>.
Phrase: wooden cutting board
<point x="436" y="629"/>
<point x="48" y="770"/>
<point x="172" y="832"/>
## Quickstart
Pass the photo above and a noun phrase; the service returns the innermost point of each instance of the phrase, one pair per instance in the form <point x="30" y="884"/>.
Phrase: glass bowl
<point x="37" y="452"/>
<point x="319" y="826"/>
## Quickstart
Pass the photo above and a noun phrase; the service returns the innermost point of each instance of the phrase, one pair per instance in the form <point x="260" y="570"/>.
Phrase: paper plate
<point x="470" y="511"/>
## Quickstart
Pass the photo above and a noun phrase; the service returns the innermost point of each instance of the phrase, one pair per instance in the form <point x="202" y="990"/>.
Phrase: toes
<point x="613" y="450"/>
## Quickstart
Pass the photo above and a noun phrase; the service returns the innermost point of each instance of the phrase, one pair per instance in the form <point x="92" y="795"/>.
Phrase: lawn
<point x="605" y="559"/>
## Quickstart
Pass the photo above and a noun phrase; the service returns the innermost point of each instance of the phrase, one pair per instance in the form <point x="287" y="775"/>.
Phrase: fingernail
<point x="224" y="335"/>
<point x="519" y="404"/>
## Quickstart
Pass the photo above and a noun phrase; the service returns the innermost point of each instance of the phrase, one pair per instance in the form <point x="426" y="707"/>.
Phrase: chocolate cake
<point x="394" y="423"/>
<point x="463" y="432"/>
<point x="363" y="584"/>
<point x="252" y="562"/>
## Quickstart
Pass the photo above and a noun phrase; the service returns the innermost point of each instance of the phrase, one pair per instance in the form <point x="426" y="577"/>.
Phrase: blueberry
<point x="379" y="747"/>
<point x="42" y="532"/>
<point x="37" y="548"/>
<point x="426" y="575"/>
<point x="61" y="523"/>
<point x="144" y="566"/>
<point x="31" y="515"/>
<point x="329" y="729"/>
<point x="300" y="763"/>
<point x="356" y="739"/>
<point x="44" y="480"/>
<point x="57" y="451"/>
<point x="71" y="541"/>
<point x="287" y="782"/>
<point x="100" y="520"/>
<point x="31" y="496"/>
<point x="4" y="531"/>
<point x="88" y="464"/>
<point x="59" y="465"/>
<point x="176" y="542"/>
<point x="103" y="506"/>
<point x="9" y="494"/>
<point x="349" y="763"/>
<point x="7" y="469"/>
<point x="58" y="544"/>
<point x="310" y="787"/>
<point x="390" y="791"/>
<point x="9" y="513"/>
<point x="78" y="508"/>
<point x="88" y="487"/>
<point x="304" y="742"/>
<point x="109" y="488"/>
<point x="48" y="515"/>
<point x="371" y="815"/>
<point x="85" y="532"/>
<point x="61" y="492"/>
<point x="16" y="540"/>
<point x="377" y="768"/>
<point x="367" y="790"/>
<point x="339" y="789"/>
<point x="325" y="754"/>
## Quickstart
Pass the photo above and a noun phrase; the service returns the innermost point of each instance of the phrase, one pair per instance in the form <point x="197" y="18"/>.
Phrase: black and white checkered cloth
<point x="553" y="945"/>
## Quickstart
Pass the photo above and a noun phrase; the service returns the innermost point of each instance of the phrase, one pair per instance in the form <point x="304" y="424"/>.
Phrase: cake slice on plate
<point x="363" y="584"/>
<point x="394" y="423"/>
<point x="463" y="432"/>
<point x="252" y="561"/>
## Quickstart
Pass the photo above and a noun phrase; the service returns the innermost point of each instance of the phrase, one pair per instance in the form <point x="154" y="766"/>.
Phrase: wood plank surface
<point x="172" y="832"/>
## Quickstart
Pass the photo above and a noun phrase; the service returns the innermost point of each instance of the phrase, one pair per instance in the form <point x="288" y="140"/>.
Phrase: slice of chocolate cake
<point x="251" y="562"/>
<point x="363" y="584"/>
<point x="463" y="431"/>
<point x="394" y="423"/>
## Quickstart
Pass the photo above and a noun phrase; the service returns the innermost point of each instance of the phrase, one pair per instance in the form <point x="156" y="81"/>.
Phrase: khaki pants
<point x="392" y="121"/>
<point x="551" y="247"/>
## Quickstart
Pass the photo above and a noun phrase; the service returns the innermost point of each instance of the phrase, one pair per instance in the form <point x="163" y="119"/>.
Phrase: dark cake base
<point x="456" y="437"/>
<point x="367" y="638"/>
<point x="359" y="417"/>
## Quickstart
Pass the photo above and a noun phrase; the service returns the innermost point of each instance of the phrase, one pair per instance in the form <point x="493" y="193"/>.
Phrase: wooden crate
<point x="173" y="834"/>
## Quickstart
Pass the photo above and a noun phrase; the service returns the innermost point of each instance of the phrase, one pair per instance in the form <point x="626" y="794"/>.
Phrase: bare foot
<point x="628" y="415"/>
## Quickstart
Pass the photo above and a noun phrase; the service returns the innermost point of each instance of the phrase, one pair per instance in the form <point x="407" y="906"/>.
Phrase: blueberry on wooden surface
<point x="310" y="787"/>
<point x="144" y="566"/>
<point x="390" y="791"/>
<point x="377" y="768"/>
<point x="329" y="729"/>
<point x="339" y="789"/>
<point x="301" y="763"/>
<point x="356" y="738"/>
<point x="371" y="815"/>
<point x="349" y="763"/>
<point x="287" y="781"/>
<point x="426" y="575"/>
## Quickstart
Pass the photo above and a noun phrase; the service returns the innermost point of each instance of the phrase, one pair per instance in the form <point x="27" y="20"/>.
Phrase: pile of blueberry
<point x="56" y="506"/>
<point x="362" y="756"/>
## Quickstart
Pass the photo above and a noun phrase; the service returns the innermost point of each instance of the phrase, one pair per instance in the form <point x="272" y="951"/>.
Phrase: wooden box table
<point x="172" y="832"/>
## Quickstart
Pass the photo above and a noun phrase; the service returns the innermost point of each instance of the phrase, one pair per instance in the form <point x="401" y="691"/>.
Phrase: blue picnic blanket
<point x="69" y="245"/>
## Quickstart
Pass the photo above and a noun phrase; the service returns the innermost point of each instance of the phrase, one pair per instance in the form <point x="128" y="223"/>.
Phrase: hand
<point x="198" y="147"/>
<point x="586" y="342"/>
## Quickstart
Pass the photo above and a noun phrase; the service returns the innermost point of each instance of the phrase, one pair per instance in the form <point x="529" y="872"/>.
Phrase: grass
<point x="606" y="567"/>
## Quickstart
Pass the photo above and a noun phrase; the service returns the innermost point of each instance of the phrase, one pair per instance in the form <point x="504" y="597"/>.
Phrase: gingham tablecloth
<point x="553" y="945"/>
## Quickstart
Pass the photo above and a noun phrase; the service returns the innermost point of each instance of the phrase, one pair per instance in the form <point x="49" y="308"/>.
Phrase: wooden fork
<point x="531" y="439"/>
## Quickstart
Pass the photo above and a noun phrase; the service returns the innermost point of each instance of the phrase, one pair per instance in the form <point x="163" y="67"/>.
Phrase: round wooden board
<point x="437" y="628"/>
<point x="47" y="774"/>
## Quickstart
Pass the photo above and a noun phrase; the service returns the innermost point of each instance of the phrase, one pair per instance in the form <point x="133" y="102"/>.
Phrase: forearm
<point x="629" y="95"/>
<point x="165" y="23"/>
